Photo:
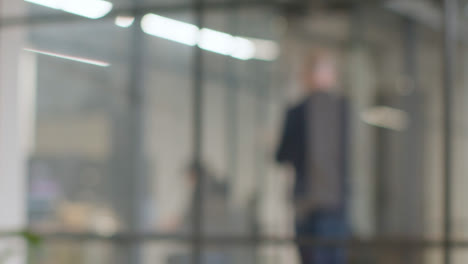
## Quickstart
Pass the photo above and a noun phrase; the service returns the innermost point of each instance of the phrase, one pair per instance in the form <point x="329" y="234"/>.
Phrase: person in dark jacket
<point x="314" y="143"/>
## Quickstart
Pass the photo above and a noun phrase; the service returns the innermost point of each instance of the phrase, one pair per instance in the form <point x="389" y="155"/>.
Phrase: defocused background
<point x="105" y="107"/>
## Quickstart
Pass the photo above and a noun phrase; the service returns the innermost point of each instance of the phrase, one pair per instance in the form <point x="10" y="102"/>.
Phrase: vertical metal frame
<point x="127" y="165"/>
<point x="198" y="73"/>
<point x="449" y="64"/>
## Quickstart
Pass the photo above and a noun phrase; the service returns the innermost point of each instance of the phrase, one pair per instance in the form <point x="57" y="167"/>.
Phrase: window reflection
<point x="105" y="107"/>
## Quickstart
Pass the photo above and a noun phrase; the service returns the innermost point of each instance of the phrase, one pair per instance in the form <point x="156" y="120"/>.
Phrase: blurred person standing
<point x="314" y="143"/>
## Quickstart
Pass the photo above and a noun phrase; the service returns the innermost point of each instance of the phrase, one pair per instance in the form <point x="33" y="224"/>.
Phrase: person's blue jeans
<point x="322" y="225"/>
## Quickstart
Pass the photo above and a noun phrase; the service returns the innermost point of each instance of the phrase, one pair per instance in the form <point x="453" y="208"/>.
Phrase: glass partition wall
<point x="150" y="127"/>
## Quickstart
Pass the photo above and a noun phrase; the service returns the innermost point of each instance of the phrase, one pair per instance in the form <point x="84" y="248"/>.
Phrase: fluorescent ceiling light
<point x="208" y="39"/>
<point x="68" y="57"/>
<point x="216" y="41"/>
<point x="87" y="8"/>
<point x="55" y="4"/>
<point x="124" y="21"/>
<point x="244" y="49"/>
<point x="170" y="29"/>
<point x="386" y="117"/>
<point x="267" y="50"/>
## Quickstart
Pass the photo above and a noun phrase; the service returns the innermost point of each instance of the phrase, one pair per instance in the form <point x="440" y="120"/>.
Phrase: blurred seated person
<point x="218" y="217"/>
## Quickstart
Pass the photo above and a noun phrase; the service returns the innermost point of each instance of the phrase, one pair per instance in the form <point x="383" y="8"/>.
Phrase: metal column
<point x="449" y="53"/>
<point x="198" y="208"/>
<point x="127" y="163"/>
